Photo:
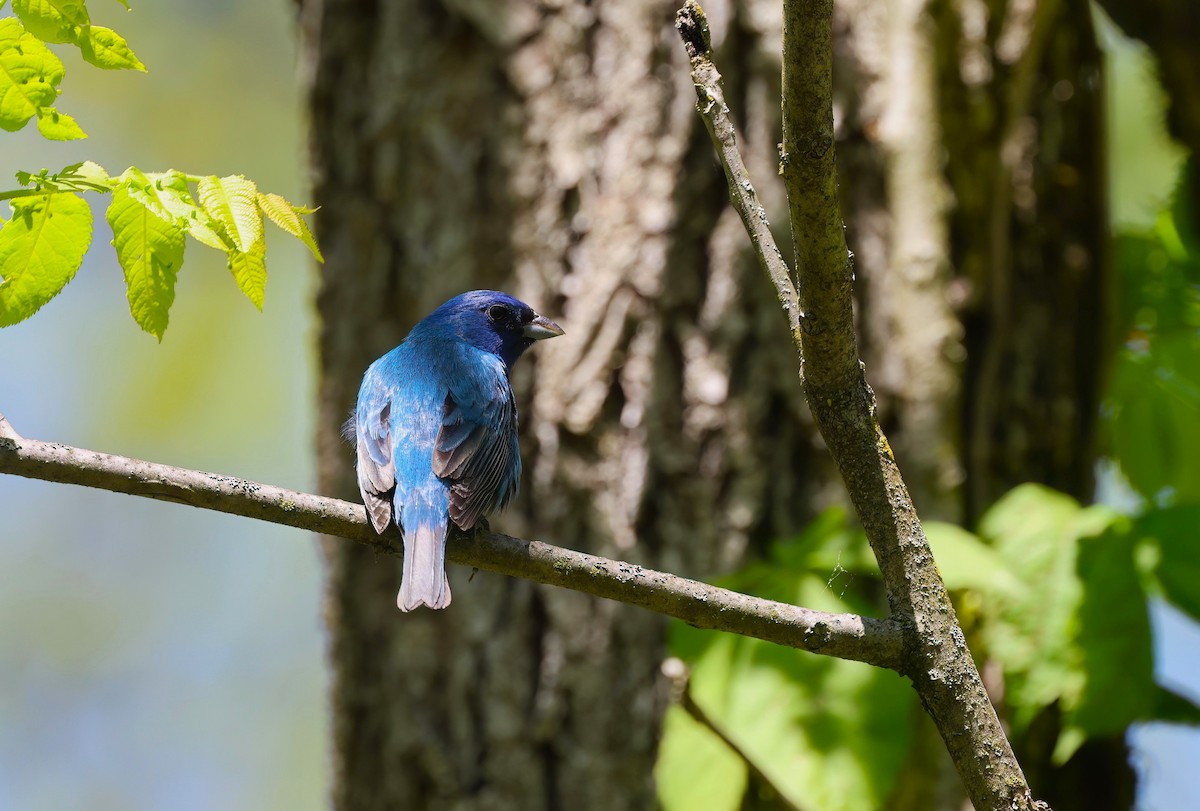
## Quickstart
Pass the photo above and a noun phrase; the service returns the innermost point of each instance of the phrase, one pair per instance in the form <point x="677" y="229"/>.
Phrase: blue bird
<point x="436" y="430"/>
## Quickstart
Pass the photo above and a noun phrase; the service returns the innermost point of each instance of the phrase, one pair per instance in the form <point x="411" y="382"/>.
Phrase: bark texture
<point x="552" y="149"/>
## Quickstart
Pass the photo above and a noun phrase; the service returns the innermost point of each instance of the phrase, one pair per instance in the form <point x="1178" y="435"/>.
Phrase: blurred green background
<point x="153" y="656"/>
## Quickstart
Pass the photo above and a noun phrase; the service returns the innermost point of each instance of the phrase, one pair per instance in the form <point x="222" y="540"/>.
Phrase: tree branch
<point x="846" y="636"/>
<point x="843" y="405"/>
<point x="710" y="101"/>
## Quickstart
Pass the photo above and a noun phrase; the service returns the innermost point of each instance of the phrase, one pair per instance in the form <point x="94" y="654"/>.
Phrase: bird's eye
<point x="497" y="312"/>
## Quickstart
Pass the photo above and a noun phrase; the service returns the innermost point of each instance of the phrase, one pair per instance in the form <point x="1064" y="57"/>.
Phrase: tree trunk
<point x="553" y="151"/>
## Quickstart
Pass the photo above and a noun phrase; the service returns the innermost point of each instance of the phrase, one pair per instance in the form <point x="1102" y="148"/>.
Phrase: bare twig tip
<point x="692" y="26"/>
<point x="7" y="431"/>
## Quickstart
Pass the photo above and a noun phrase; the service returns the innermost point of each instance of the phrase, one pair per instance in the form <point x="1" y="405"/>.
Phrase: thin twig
<point x="846" y="636"/>
<point x="710" y="102"/>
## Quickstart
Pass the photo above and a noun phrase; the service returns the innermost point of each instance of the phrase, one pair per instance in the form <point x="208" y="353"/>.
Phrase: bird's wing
<point x="376" y="468"/>
<point x="476" y="449"/>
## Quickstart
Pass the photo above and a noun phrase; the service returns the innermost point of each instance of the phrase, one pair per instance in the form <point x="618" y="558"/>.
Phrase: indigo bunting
<point x="436" y="430"/>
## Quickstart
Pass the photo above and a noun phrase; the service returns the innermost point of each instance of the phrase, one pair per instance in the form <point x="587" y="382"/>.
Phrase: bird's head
<point x="492" y="321"/>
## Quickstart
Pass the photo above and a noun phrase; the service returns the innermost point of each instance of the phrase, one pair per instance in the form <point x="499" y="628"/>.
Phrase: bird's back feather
<point x="435" y="431"/>
<point x="476" y="450"/>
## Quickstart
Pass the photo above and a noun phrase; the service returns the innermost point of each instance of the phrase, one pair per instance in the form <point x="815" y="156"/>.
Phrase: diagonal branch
<point x="846" y="636"/>
<point x="843" y="405"/>
<point x="710" y="101"/>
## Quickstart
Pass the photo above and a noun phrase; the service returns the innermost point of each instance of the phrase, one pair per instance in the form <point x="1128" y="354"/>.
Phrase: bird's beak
<point x="541" y="327"/>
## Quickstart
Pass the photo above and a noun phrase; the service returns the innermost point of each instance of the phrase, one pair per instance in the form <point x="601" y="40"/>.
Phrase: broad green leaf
<point x="966" y="562"/>
<point x="249" y="269"/>
<point x="41" y="248"/>
<point x="105" y="48"/>
<point x="29" y="75"/>
<point x="1114" y="636"/>
<point x="1031" y="630"/>
<point x="1154" y="405"/>
<point x="695" y="768"/>
<point x="1176" y="533"/>
<point x="1076" y="632"/>
<point x="824" y="733"/>
<point x="287" y="217"/>
<point x="826" y="546"/>
<point x="232" y="201"/>
<point x="56" y="126"/>
<point x="52" y="20"/>
<point x="166" y="194"/>
<point x="150" y="250"/>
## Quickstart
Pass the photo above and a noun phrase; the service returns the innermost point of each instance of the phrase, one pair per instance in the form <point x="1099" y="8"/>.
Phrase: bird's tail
<point x="424" y="581"/>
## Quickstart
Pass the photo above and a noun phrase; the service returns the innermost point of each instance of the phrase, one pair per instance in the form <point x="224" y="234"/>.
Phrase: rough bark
<point x="553" y="152"/>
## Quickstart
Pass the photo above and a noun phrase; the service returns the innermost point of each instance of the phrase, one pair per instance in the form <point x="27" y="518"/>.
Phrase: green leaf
<point x="167" y="195"/>
<point x="1114" y="636"/>
<point x="287" y="217"/>
<point x="105" y="48"/>
<point x="695" y="768"/>
<point x="1169" y="706"/>
<point x="1154" y="417"/>
<point x="52" y="20"/>
<point x="1173" y="531"/>
<point x="966" y="562"/>
<point x="825" y="733"/>
<point x="56" y="126"/>
<point x="826" y="546"/>
<point x="232" y="201"/>
<point x="89" y="174"/>
<point x="41" y="249"/>
<point x="29" y="75"/>
<point x="228" y="218"/>
<point x="1185" y="218"/>
<point x="1030" y="630"/>
<point x="249" y="269"/>
<point x="150" y="250"/>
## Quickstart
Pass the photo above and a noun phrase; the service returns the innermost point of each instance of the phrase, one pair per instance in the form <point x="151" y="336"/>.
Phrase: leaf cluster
<point x="43" y="244"/>
<point x="1055" y="592"/>
<point x="30" y="73"/>
<point x="767" y="723"/>
<point x="1152" y="408"/>
<point x="44" y="241"/>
